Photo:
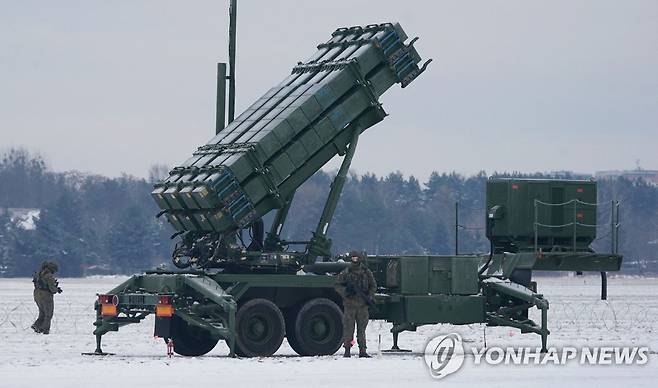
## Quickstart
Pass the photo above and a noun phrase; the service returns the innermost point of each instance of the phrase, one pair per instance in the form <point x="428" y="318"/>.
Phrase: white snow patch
<point x="576" y="318"/>
<point x="28" y="222"/>
<point x="24" y="218"/>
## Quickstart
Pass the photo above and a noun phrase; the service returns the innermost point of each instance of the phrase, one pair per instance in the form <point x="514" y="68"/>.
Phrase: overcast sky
<point x="115" y="86"/>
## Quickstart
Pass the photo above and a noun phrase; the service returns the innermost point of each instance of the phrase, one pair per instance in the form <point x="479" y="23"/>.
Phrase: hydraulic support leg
<point x="396" y="330"/>
<point x="320" y="245"/>
<point x="604" y="286"/>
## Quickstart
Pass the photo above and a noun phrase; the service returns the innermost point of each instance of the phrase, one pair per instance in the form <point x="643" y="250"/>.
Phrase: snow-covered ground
<point x="576" y="318"/>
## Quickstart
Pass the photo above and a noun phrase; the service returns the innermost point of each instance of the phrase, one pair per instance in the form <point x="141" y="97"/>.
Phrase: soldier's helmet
<point x="356" y="257"/>
<point x="52" y="266"/>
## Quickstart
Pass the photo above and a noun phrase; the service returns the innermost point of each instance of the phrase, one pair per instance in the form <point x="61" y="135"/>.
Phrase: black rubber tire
<point x="260" y="329"/>
<point x="319" y="328"/>
<point x="521" y="276"/>
<point x="290" y="316"/>
<point x="190" y="341"/>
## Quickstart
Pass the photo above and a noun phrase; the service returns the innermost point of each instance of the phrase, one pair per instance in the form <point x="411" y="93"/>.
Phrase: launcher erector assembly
<point x="256" y="163"/>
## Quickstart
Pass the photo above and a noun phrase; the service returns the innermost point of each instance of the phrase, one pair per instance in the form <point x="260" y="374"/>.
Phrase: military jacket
<point x="361" y="277"/>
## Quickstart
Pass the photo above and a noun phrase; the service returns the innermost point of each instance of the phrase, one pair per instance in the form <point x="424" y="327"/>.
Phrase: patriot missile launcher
<point x="253" y="296"/>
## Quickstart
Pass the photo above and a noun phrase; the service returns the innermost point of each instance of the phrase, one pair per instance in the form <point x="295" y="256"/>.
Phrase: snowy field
<point x="576" y="318"/>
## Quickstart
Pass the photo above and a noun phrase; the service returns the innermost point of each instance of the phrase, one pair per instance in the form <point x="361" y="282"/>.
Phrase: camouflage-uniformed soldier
<point x="356" y="284"/>
<point x="45" y="286"/>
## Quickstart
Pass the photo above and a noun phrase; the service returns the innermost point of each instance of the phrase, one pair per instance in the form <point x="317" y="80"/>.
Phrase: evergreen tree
<point x="128" y="242"/>
<point x="60" y="236"/>
<point x="7" y="260"/>
<point x="91" y="221"/>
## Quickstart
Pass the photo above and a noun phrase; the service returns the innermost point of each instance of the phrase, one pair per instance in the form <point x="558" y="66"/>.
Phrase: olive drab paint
<point x="257" y="162"/>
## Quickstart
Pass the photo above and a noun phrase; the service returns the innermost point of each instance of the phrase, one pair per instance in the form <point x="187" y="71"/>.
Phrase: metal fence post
<point x="612" y="227"/>
<point x="535" y="225"/>
<point x="616" y="227"/>
<point x="456" y="228"/>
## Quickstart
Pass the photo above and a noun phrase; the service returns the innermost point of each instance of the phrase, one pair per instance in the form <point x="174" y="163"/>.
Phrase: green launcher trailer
<point x="254" y="294"/>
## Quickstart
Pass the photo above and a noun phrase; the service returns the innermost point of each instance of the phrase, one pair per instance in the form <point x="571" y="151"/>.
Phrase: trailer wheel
<point x="190" y="341"/>
<point x="319" y="328"/>
<point x="260" y="328"/>
<point x="290" y="317"/>
<point x="521" y="276"/>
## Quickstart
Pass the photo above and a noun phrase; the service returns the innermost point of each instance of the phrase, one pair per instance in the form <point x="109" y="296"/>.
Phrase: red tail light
<point x="109" y="305"/>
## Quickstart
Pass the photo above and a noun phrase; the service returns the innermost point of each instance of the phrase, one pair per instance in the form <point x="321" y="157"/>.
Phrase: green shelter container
<point x="551" y="214"/>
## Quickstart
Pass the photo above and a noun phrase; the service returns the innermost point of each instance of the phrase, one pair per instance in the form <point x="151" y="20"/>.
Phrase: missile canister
<point x="256" y="163"/>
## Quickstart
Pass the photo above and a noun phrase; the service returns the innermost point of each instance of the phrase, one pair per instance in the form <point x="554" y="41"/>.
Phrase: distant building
<point x="650" y="176"/>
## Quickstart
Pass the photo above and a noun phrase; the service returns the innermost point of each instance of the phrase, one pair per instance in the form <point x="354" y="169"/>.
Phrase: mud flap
<point x="162" y="327"/>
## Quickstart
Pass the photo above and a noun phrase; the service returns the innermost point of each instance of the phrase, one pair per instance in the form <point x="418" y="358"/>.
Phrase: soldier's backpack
<point x="38" y="281"/>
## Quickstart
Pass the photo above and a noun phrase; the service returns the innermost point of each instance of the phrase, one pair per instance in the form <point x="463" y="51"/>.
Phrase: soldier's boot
<point x="363" y="353"/>
<point x="35" y="328"/>
<point x="347" y="352"/>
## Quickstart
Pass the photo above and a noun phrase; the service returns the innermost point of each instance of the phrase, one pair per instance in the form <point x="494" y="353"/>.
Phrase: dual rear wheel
<point x="259" y="327"/>
<point x="313" y="328"/>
